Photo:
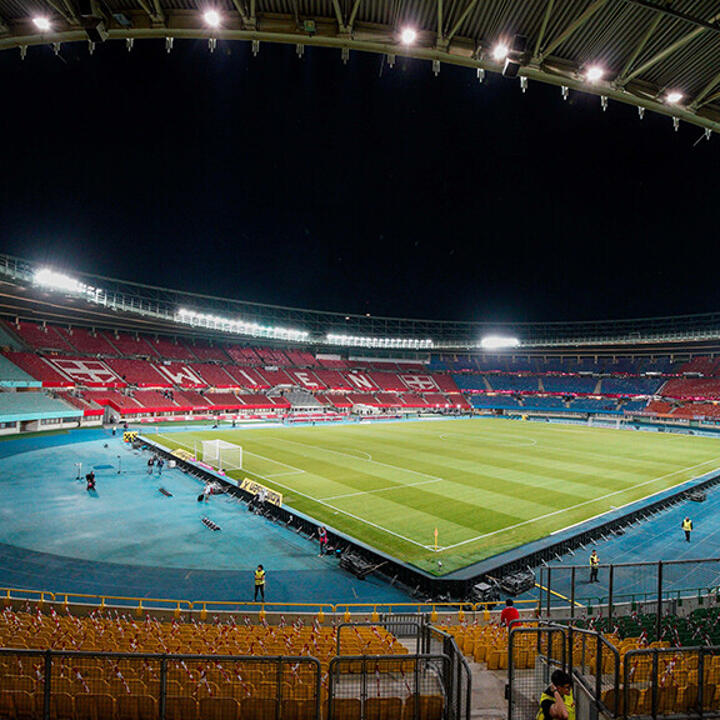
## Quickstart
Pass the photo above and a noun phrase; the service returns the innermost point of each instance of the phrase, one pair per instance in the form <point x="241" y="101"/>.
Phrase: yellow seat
<point x="94" y="706"/>
<point x="345" y="709"/>
<point x="385" y="708"/>
<point x="430" y="707"/>
<point x="258" y="709"/>
<point x="180" y="708"/>
<point x="298" y="710"/>
<point x="218" y="708"/>
<point x="137" y="707"/>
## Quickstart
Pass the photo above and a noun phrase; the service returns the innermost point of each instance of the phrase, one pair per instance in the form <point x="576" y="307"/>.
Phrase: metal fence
<point x="458" y="679"/>
<point x="89" y="685"/>
<point x="533" y="654"/>
<point x="628" y="587"/>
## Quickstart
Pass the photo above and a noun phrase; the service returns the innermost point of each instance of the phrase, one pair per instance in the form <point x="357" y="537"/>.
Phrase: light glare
<point x="500" y="52"/>
<point x="492" y="342"/>
<point x="41" y="23"/>
<point x="594" y="73"/>
<point x="674" y="97"/>
<point x="408" y="36"/>
<point x="57" y="281"/>
<point x="212" y="18"/>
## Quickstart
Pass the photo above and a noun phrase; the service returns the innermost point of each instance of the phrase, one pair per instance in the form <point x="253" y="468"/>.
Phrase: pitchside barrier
<point x="622" y="588"/>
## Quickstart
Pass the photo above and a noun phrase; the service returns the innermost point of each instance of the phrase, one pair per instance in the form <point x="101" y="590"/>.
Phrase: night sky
<point x="355" y="188"/>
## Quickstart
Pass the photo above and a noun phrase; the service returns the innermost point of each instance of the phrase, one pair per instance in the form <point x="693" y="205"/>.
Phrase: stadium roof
<point x="661" y="55"/>
<point x="34" y="292"/>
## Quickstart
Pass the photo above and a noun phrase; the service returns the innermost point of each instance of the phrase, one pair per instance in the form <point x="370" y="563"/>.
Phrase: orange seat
<point x="259" y="709"/>
<point x="386" y="708"/>
<point x="430" y="707"/>
<point x="94" y="706"/>
<point x="180" y="708"/>
<point x="298" y="710"/>
<point x="137" y="707"/>
<point x="62" y="706"/>
<point x="345" y="709"/>
<point x="213" y="708"/>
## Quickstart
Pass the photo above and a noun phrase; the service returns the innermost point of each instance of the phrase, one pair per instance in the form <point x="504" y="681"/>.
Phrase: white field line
<point x="322" y="502"/>
<point x="355" y="457"/>
<point x="573" y="507"/>
<point x="282" y="474"/>
<point x="392" y="487"/>
<point x="530" y="442"/>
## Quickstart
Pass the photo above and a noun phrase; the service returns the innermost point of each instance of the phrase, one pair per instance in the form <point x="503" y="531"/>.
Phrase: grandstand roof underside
<point x="647" y="47"/>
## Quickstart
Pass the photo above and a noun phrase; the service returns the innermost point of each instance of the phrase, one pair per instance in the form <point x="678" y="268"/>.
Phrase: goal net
<point x="222" y="455"/>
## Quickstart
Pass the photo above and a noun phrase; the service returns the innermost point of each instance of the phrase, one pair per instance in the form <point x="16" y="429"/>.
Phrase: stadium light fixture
<point x="673" y="97"/>
<point x="594" y="73"/>
<point x="500" y="52"/>
<point x="212" y="18"/>
<point x="53" y="280"/>
<point x="238" y="327"/>
<point x="42" y="23"/>
<point x="408" y="36"/>
<point x="495" y="342"/>
<point x="379" y="342"/>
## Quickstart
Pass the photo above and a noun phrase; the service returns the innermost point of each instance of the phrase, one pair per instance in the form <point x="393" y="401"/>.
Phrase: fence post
<point x="548" y="591"/>
<point x="279" y="684"/>
<point x="48" y="679"/>
<point x="163" y="685"/>
<point x="598" y="669"/>
<point x="701" y="682"/>
<point x="659" y="601"/>
<point x="610" y="591"/>
<point x="572" y="592"/>
<point x="654" y="690"/>
<point x="511" y="642"/>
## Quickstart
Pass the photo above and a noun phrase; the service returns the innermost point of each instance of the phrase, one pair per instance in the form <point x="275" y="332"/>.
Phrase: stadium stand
<point x="387" y="381"/>
<point x="224" y="401"/>
<point x="537" y="402"/>
<point x="333" y="379"/>
<point x="599" y="405"/>
<point x="167" y="349"/>
<point x="79" y="401"/>
<point x="117" y="400"/>
<point x="568" y="384"/>
<point x="436" y="400"/>
<point x="83" y="341"/>
<point x="277" y="377"/>
<point x="630" y="386"/>
<point x="413" y="401"/>
<point x="129" y="344"/>
<point x="206" y="352"/>
<point x="339" y="401"/>
<point x="697" y="410"/>
<point x="32" y="405"/>
<point x="155" y="401"/>
<point x="659" y="407"/>
<point x="13" y="376"/>
<point x="446" y="383"/>
<point x="38" y="337"/>
<point x="214" y="375"/>
<point x="181" y="374"/>
<point x="703" y="365"/>
<point x="470" y="382"/>
<point x="698" y="388"/>
<point x="633" y="405"/>
<point x="191" y="400"/>
<point x="362" y="399"/>
<point x="302" y="358"/>
<point x="500" y="402"/>
<point x="247" y="377"/>
<point x="514" y="383"/>
<point x="38" y="368"/>
<point x="243" y="355"/>
<point x="138" y="372"/>
<point x="306" y="379"/>
<point x="333" y="363"/>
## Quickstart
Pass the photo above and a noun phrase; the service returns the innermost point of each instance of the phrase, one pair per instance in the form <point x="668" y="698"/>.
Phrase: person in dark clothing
<point x="260" y="583"/>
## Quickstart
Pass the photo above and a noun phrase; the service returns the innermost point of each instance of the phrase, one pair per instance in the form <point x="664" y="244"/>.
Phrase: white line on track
<point x="573" y="507"/>
<point x="322" y="502"/>
<point x="392" y="487"/>
<point x="355" y="457"/>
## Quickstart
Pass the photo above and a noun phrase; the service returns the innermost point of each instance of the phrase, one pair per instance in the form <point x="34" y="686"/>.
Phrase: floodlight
<point x="674" y="97"/>
<point x="594" y="73"/>
<point x="500" y="52"/>
<point x="408" y="36"/>
<point x="212" y="18"/>
<point x="57" y="281"/>
<point x="41" y="23"/>
<point x="493" y="342"/>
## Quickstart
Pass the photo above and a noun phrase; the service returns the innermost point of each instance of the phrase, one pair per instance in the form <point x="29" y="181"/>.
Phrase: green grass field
<point x="486" y="485"/>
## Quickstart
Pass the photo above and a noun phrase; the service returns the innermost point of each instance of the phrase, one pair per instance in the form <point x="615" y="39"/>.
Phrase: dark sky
<point x="355" y="187"/>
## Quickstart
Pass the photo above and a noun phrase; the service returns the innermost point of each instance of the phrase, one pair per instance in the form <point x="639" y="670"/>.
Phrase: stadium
<point x="222" y="508"/>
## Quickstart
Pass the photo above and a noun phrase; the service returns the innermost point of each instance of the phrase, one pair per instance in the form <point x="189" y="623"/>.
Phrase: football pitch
<point x="487" y="485"/>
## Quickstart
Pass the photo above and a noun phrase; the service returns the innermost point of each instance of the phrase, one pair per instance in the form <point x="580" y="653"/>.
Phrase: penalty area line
<point x="322" y="502"/>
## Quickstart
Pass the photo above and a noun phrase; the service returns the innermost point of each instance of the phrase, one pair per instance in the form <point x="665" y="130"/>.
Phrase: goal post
<point x="222" y="455"/>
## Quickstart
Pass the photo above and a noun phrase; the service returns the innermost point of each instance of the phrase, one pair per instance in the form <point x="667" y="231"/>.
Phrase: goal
<point x="222" y="455"/>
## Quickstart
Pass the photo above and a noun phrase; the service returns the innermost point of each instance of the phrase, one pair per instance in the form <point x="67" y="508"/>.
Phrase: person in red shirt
<point x="509" y="614"/>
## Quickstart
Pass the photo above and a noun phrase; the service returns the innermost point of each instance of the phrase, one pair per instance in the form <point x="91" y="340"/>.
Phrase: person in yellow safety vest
<point x="260" y="583"/>
<point x="594" y="563"/>
<point x="687" y="527"/>
<point x="557" y="701"/>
